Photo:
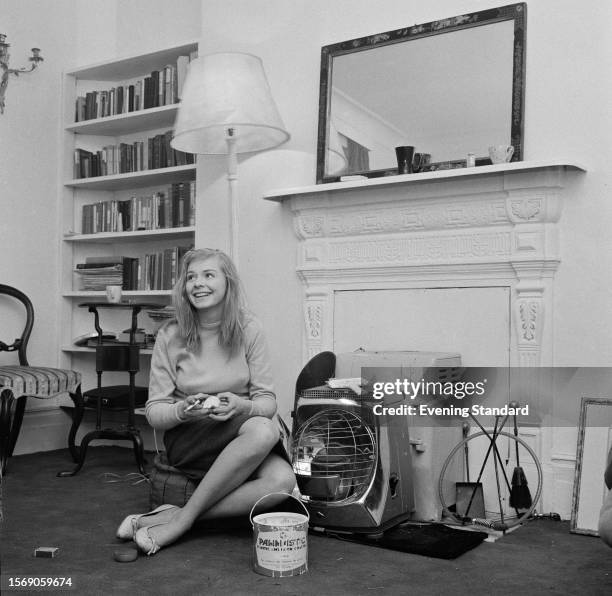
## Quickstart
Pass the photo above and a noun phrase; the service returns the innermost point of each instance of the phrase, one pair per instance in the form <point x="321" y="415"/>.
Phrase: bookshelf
<point x="106" y="115"/>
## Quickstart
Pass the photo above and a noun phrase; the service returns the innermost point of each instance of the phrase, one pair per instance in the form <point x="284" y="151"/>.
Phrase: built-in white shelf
<point x="127" y="67"/>
<point x="123" y="124"/>
<point x="135" y="179"/>
<point x="280" y="195"/>
<point x="136" y="236"/>
<point x="124" y="293"/>
<point x="91" y="350"/>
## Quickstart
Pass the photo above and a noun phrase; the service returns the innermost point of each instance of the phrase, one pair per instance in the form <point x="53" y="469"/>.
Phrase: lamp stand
<point x="232" y="180"/>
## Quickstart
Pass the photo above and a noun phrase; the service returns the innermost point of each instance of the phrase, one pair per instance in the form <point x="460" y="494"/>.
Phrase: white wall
<point x="569" y="58"/>
<point x="29" y="131"/>
<point x="568" y="93"/>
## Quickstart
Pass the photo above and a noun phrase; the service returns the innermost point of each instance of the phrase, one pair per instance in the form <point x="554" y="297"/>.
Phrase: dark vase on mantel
<point x="404" y="155"/>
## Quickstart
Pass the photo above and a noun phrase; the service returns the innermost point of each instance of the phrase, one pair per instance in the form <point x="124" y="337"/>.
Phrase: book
<point x="131" y="101"/>
<point x="82" y="163"/>
<point x="155" y="89"/>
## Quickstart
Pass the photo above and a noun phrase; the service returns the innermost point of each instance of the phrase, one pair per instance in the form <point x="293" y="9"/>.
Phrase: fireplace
<point x="455" y="260"/>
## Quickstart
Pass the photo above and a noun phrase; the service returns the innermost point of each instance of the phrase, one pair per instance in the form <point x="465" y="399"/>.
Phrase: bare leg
<point x="273" y="475"/>
<point x="234" y="465"/>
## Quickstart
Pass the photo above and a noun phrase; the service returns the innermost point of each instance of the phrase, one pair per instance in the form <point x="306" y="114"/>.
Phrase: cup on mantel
<point x="501" y="153"/>
<point x="420" y="161"/>
<point x="113" y="294"/>
<point x="405" y="154"/>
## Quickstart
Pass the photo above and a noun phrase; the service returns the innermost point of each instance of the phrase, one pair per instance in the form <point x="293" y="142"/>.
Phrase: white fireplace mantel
<point x="414" y="179"/>
<point x="456" y="260"/>
<point x="488" y="225"/>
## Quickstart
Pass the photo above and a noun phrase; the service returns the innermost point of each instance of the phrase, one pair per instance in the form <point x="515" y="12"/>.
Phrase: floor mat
<point x="430" y="540"/>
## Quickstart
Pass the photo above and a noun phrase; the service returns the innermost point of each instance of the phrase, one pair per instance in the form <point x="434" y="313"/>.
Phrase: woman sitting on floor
<point x="214" y="348"/>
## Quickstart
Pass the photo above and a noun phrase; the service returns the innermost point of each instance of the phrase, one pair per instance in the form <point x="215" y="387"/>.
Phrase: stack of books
<point x="151" y="271"/>
<point x="98" y="272"/>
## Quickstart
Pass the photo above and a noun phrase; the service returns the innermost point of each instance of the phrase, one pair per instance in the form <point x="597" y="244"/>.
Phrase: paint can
<point x="280" y="541"/>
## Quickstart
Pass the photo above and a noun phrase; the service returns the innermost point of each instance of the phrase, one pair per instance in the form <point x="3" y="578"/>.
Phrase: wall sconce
<point x="5" y="71"/>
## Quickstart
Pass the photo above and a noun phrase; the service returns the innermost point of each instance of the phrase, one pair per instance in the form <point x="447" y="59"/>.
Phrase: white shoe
<point x="128" y="527"/>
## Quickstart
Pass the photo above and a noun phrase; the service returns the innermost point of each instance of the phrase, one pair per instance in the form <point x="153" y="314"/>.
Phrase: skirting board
<point x="47" y="430"/>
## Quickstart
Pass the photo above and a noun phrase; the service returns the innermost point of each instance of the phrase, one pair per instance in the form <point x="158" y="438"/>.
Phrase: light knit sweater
<point x="177" y="373"/>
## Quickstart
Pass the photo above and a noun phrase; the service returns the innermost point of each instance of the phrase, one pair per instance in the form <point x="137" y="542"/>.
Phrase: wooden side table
<point x="113" y="356"/>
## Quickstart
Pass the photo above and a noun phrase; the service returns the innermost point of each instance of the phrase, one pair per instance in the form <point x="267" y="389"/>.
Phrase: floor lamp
<point x="226" y="109"/>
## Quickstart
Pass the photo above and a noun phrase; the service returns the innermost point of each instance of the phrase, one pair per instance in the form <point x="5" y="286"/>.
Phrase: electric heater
<point x="350" y="451"/>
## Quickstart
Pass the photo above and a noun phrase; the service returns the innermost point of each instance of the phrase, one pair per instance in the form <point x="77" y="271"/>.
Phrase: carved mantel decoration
<point x="493" y="225"/>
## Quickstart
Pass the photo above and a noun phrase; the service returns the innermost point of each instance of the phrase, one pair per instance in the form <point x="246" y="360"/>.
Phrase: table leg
<point x="77" y="417"/>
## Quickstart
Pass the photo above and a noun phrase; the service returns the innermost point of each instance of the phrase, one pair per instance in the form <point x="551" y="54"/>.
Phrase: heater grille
<point x="334" y="456"/>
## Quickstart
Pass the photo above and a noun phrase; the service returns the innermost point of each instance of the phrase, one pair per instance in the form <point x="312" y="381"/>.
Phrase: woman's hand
<point x="191" y="407"/>
<point x="231" y="405"/>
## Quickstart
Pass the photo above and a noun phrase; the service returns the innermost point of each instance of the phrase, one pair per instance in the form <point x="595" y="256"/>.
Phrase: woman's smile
<point x="206" y="284"/>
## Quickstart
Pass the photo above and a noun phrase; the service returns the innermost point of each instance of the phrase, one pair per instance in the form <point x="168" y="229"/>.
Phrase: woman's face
<point x="206" y="285"/>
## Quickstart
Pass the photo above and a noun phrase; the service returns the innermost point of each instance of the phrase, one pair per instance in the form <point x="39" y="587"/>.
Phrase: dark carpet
<point x="79" y="516"/>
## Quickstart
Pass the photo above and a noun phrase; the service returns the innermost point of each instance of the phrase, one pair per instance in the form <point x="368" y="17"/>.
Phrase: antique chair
<point x="18" y="382"/>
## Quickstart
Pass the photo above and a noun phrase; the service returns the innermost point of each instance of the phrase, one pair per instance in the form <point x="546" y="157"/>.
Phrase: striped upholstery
<point x="38" y="381"/>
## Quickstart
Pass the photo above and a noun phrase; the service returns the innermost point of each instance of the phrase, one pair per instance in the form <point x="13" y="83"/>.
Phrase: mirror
<point x="448" y="88"/>
<point x="594" y="445"/>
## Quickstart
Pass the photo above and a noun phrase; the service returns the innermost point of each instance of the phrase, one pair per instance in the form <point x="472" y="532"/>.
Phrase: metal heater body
<point x="351" y="455"/>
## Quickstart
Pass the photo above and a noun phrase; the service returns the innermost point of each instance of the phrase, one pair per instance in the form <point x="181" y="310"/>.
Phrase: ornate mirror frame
<point x="513" y="12"/>
<point x="593" y="447"/>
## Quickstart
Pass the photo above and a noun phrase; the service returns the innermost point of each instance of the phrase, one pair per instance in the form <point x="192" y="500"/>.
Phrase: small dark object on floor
<point x="520" y="497"/>
<point x="46" y="552"/>
<point x="125" y="555"/>
<point x="430" y="540"/>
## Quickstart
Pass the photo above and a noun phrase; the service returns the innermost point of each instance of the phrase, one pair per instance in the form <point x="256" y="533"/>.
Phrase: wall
<point x="29" y="165"/>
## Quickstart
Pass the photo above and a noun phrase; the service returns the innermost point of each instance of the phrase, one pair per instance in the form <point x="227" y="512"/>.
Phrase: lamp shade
<point x="224" y="91"/>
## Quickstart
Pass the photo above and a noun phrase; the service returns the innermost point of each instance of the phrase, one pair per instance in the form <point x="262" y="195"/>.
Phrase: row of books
<point x="159" y="88"/>
<point x="152" y="271"/>
<point x="124" y="158"/>
<point x="172" y="208"/>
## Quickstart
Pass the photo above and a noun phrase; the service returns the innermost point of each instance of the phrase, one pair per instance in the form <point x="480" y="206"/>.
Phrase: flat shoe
<point x="145" y="542"/>
<point x="128" y="527"/>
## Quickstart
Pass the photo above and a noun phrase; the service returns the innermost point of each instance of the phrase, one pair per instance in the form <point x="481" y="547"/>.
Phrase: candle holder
<point x="5" y="70"/>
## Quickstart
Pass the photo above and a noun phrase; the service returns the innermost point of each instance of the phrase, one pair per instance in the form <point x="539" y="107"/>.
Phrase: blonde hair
<point x="231" y="329"/>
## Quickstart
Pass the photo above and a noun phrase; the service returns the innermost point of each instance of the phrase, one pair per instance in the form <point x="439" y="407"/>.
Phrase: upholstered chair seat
<point x="20" y="381"/>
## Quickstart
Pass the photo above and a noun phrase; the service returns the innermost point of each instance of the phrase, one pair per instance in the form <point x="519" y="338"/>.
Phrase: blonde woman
<point x="215" y="347"/>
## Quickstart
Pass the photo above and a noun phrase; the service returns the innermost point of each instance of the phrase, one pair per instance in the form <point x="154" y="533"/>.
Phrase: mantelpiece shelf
<point x="280" y="195"/>
<point x="136" y="179"/>
<point x="138" y="235"/>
